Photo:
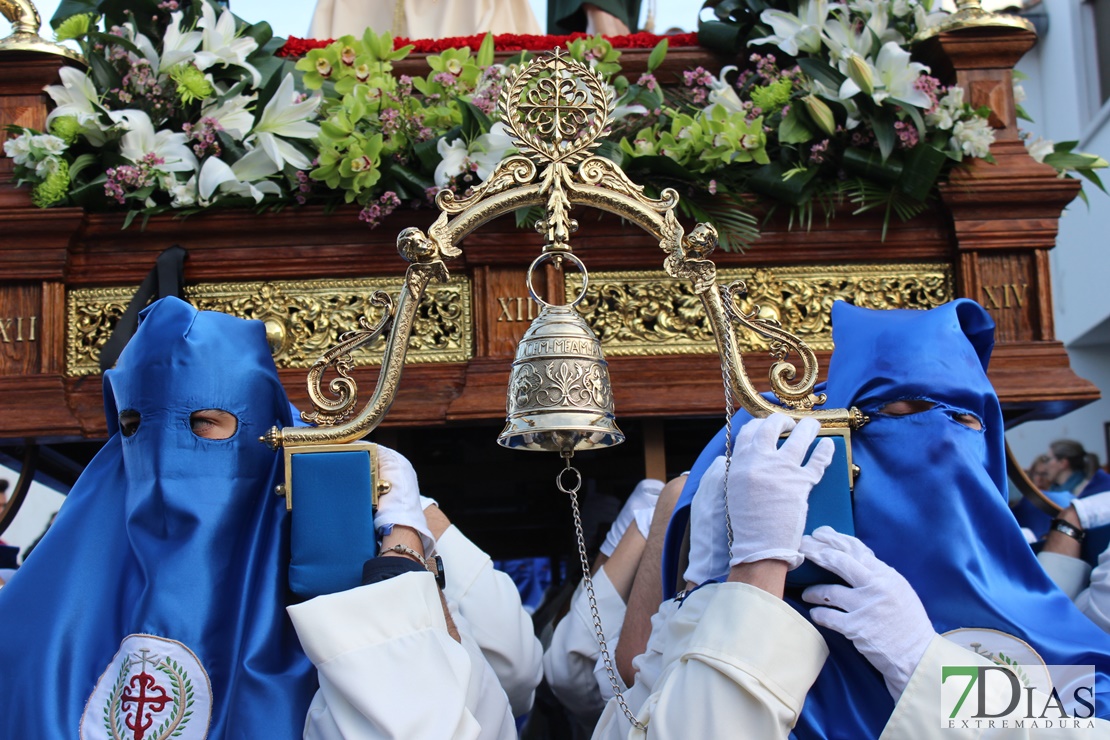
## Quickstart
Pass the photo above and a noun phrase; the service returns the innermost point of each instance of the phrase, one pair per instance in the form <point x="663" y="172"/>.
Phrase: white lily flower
<point x="245" y="177"/>
<point x="178" y="47"/>
<point x="878" y="14"/>
<point x="1040" y="148"/>
<point x="893" y="76"/>
<point x="724" y="94"/>
<point x="141" y="141"/>
<point x="453" y="162"/>
<point x="483" y="153"/>
<point x="77" y="97"/>
<point x="146" y="46"/>
<point x="489" y="149"/>
<point x="797" y="33"/>
<point x="221" y="45"/>
<point x="284" y="117"/>
<point x="923" y="19"/>
<point x="623" y="111"/>
<point x="184" y="195"/>
<point x="897" y="75"/>
<point x="235" y="115"/>
<point x="842" y="38"/>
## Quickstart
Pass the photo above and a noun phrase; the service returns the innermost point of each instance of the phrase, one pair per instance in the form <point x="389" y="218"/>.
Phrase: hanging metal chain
<point x="589" y="583"/>
<point x="726" y="374"/>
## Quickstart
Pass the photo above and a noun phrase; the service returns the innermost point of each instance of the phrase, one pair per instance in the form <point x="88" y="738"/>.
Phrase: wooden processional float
<point x="66" y="275"/>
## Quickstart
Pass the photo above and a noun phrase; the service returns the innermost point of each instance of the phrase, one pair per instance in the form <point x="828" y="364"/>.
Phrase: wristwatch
<point x="1067" y="528"/>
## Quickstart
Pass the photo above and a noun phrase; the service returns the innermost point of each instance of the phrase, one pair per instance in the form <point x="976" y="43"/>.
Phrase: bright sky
<point x="291" y="17"/>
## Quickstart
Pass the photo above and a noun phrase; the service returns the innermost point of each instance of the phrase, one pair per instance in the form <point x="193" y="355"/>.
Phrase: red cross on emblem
<point x="145" y="703"/>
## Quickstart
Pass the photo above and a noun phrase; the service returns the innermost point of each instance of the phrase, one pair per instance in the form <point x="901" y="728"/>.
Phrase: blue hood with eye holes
<point x="164" y="574"/>
<point x="931" y="502"/>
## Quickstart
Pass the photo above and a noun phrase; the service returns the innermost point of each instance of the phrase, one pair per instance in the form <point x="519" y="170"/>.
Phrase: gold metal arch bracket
<point x="556" y="111"/>
<point x="26" y="22"/>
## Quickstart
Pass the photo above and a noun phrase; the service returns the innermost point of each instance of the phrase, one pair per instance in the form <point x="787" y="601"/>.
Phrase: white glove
<point x="708" y="536"/>
<point x="644" y="495"/>
<point x="643" y="518"/>
<point x="880" y="612"/>
<point x="402" y="505"/>
<point x="1093" y="510"/>
<point x="768" y="488"/>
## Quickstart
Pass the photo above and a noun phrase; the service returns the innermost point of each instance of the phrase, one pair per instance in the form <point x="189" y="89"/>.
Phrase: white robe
<point x="572" y="663"/>
<point x="741" y="662"/>
<point x="1089" y="589"/>
<point x="487" y="602"/>
<point x="423" y="19"/>
<point x="388" y="668"/>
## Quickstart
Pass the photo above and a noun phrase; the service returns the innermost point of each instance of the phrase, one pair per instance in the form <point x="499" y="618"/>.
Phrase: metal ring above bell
<point x="562" y="255"/>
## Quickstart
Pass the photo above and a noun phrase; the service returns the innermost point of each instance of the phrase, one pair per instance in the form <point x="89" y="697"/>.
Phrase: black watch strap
<point x="1067" y="528"/>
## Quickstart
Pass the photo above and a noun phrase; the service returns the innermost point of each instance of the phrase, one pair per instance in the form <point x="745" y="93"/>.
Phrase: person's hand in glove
<point x="709" y="554"/>
<point x="401" y="506"/>
<point x="878" y="610"/>
<point x="768" y="488"/>
<point x="643" y="496"/>
<point x="1093" y="510"/>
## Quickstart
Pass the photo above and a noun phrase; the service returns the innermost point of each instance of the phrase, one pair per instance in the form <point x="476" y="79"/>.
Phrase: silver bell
<point x="559" y="397"/>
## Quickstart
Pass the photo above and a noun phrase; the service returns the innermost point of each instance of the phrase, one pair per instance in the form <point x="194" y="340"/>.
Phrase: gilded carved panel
<point x="651" y="313"/>
<point x="303" y="318"/>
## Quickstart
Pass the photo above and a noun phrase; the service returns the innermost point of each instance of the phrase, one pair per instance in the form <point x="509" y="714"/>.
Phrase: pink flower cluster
<point x="204" y="136"/>
<point x="930" y="86"/>
<point x="375" y="212"/>
<point x="647" y="80"/>
<point x="818" y="151"/>
<point x="488" y="91"/>
<point x="699" y="80"/>
<point x="128" y="178"/>
<point x="907" y="134"/>
<point x="139" y="85"/>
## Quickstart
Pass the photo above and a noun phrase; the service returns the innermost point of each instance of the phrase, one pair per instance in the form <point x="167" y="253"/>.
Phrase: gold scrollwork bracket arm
<point x="688" y="259"/>
<point x="330" y="411"/>
<point x="425" y="254"/>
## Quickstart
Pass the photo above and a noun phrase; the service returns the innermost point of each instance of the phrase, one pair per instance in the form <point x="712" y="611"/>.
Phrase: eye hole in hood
<point x="909" y="406"/>
<point x="213" y="424"/>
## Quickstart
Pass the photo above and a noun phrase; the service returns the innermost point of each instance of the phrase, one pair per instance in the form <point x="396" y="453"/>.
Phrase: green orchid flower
<point x="644" y="145"/>
<point x="319" y="65"/>
<point x="458" y="63"/>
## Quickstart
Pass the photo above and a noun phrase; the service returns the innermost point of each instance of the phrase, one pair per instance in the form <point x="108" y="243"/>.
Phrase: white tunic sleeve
<point x="489" y="602"/>
<point x="1095" y="600"/>
<point x="387" y="666"/>
<point x="571" y="658"/>
<point x="1070" y="574"/>
<point x="716" y="676"/>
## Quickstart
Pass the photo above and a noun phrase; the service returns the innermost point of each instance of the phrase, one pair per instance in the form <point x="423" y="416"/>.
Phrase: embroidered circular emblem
<point x="1003" y="649"/>
<point x="154" y="689"/>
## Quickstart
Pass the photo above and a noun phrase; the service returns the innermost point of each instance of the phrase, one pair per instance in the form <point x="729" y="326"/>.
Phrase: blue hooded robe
<point x="154" y="605"/>
<point x="931" y="501"/>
